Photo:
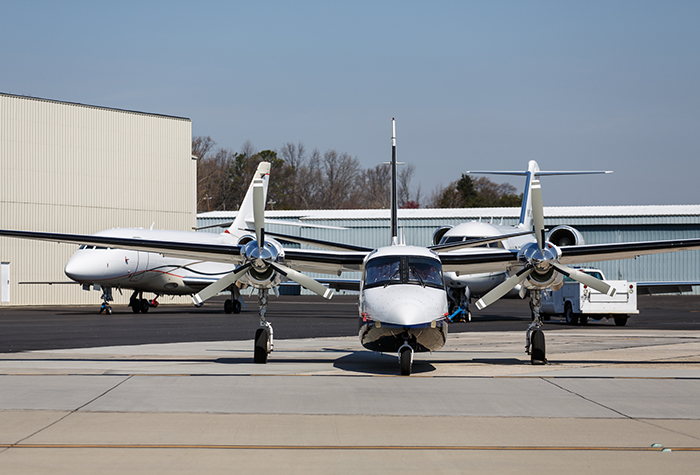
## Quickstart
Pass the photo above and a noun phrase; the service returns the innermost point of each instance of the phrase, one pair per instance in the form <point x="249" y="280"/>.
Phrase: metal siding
<point x="81" y="169"/>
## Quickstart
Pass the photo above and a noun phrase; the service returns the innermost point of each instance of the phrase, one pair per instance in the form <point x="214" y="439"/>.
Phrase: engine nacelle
<point x="565" y="236"/>
<point x="261" y="275"/>
<point x="439" y="233"/>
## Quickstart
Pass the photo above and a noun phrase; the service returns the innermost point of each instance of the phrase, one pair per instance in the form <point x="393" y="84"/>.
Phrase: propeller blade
<point x="304" y="281"/>
<point x="537" y="212"/>
<point x="586" y="279"/>
<point x="259" y="210"/>
<point x="503" y="288"/>
<point x="219" y="285"/>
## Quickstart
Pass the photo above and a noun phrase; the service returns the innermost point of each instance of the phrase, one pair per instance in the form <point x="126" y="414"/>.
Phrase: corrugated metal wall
<point x="81" y="169"/>
<point x="677" y="266"/>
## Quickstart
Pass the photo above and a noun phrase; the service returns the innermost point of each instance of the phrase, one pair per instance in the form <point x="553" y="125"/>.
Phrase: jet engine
<point x="565" y="236"/>
<point x="439" y="233"/>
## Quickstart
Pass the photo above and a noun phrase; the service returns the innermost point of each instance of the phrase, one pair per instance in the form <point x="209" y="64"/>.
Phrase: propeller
<point x="538" y="261"/>
<point x="260" y="258"/>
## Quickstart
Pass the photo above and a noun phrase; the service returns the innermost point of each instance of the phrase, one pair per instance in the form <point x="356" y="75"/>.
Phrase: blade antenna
<point x="394" y="198"/>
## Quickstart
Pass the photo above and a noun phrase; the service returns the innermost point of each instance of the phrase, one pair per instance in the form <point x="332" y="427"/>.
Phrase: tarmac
<point x="614" y="401"/>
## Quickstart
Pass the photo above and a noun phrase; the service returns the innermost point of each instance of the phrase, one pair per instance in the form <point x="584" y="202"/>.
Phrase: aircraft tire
<point x="143" y="303"/>
<point x="108" y="310"/>
<point x="136" y="307"/>
<point x="228" y="306"/>
<point x="261" y="342"/>
<point x="537" y="348"/>
<point x="405" y="361"/>
<point x="236" y="306"/>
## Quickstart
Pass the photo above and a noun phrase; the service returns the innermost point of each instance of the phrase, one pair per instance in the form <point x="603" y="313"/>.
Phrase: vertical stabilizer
<point x="525" y="221"/>
<point x="394" y="188"/>
<point x="244" y="218"/>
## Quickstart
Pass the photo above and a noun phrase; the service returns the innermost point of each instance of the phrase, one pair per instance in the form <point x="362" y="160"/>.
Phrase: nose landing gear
<point x="106" y="298"/>
<point x="534" y="339"/>
<point x="263" y="335"/>
<point x="405" y="359"/>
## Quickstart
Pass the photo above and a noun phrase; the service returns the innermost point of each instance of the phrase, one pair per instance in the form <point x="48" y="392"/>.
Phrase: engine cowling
<point x="562" y="236"/>
<point x="439" y="233"/>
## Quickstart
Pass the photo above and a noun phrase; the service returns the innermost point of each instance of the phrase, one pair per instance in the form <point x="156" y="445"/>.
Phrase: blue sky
<point x="473" y="85"/>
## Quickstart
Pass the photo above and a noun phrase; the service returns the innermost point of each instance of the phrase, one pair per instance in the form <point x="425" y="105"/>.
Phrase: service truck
<point x="578" y="303"/>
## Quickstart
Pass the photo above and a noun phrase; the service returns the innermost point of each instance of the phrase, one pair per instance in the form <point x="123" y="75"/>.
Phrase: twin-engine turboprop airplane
<point x="403" y="303"/>
<point x="461" y="288"/>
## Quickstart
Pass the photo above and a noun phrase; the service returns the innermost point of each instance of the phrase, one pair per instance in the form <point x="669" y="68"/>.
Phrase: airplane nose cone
<point x="407" y="313"/>
<point x="79" y="268"/>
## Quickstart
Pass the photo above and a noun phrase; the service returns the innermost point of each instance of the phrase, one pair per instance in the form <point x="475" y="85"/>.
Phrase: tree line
<point x="328" y="180"/>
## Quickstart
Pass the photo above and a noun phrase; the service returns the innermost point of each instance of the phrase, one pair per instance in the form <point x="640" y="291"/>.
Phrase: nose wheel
<point x="106" y="298"/>
<point x="405" y="359"/>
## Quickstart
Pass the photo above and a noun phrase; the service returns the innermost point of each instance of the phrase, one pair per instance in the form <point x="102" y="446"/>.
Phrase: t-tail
<point x="244" y="218"/>
<point x="532" y="174"/>
<point x="394" y="188"/>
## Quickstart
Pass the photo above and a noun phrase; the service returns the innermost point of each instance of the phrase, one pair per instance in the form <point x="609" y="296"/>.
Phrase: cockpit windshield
<point x="453" y="239"/>
<point x="390" y="270"/>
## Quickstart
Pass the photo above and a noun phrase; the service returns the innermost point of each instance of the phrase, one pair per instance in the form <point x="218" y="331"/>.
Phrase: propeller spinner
<point x="538" y="264"/>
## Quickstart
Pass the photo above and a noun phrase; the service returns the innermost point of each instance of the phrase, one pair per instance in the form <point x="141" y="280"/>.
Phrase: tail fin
<point x="532" y="173"/>
<point x="244" y="218"/>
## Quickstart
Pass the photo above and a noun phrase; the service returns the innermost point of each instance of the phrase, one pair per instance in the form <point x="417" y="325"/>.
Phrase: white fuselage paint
<point x="148" y="271"/>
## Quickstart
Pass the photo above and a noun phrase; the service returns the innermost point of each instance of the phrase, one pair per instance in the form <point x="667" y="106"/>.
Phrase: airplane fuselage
<point x="402" y="300"/>
<point x="148" y="271"/>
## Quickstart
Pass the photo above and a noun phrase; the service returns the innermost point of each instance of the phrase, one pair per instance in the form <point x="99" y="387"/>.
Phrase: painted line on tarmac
<point x="351" y="447"/>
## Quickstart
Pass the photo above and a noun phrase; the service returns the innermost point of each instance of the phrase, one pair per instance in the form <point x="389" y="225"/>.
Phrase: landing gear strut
<point x="139" y="304"/>
<point x="263" y="335"/>
<point x="534" y="339"/>
<point x="106" y="298"/>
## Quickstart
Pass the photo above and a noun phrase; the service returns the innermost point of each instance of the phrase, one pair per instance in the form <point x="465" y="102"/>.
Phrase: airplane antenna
<point x="394" y="205"/>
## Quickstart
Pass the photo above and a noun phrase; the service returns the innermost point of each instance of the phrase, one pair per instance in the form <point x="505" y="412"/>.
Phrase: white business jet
<point x="403" y="303"/>
<point x="461" y="288"/>
<point x="108" y="268"/>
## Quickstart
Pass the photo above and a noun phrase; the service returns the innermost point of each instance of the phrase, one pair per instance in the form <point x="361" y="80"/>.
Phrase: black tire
<point x="620" y="321"/>
<point x="537" y="348"/>
<point x="143" y="303"/>
<point x="260" y="353"/>
<point x="583" y="319"/>
<point x="405" y="361"/>
<point x="228" y="306"/>
<point x="569" y="315"/>
<point x="108" y="310"/>
<point x="236" y="306"/>
<point x="135" y="306"/>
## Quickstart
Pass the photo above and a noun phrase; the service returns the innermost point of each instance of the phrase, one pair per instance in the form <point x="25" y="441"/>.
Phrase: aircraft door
<point x="141" y="266"/>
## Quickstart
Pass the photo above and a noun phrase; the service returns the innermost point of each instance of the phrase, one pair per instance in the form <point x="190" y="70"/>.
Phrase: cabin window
<point x="453" y="239"/>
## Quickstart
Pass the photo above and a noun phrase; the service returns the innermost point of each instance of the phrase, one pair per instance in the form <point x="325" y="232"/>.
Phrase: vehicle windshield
<point x="390" y="270"/>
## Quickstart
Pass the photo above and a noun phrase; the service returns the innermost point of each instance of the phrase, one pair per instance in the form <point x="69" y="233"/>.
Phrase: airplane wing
<point x="185" y="250"/>
<point x="326" y="262"/>
<point x="490" y="260"/>
<point x="654" y="288"/>
<point x="627" y="250"/>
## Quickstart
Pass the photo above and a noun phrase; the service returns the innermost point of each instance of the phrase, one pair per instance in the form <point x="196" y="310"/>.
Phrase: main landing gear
<point x="233" y="305"/>
<point x="534" y="339"/>
<point x="263" y="335"/>
<point x="139" y="304"/>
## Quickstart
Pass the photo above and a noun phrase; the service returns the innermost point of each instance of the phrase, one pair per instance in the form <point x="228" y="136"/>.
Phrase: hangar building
<point x="597" y="224"/>
<point x="76" y="168"/>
